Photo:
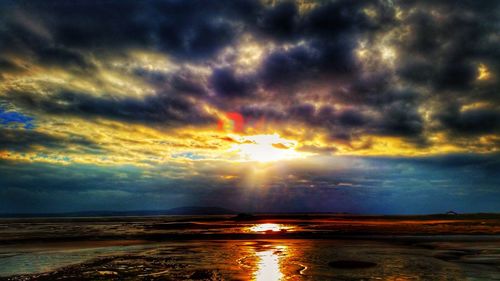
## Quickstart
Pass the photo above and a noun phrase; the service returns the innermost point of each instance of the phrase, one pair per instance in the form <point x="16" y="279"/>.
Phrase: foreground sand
<point x="266" y="247"/>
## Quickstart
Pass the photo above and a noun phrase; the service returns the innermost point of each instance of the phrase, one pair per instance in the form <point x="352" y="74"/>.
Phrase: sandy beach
<point x="263" y="247"/>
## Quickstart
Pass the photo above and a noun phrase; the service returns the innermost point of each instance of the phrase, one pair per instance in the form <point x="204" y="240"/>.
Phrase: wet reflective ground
<point x="268" y="248"/>
<point x="162" y="227"/>
<point x="264" y="260"/>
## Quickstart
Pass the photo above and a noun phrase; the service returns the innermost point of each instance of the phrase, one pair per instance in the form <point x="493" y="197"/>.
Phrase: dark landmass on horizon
<point x="211" y="210"/>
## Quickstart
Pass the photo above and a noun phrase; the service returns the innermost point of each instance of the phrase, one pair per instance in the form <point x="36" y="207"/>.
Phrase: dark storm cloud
<point x="187" y="84"/>
<point x="315" y="59"/>
<point x="397" y="116"/>
<point x="336" y="17"/>
<point x="439" y="46"/>
<point x="330" y="19"/>
<point x="374" y="90"/>
<point x="67" y="35"/>
<point x="23" y="140"/>
<point x="227" y="84"/>
<point x="329" y="34"/>
<point x="302" y="112"/>
<point x="63" y="58"/>
<point x="8" y="66"/>
<point x="444" y="49"/>
<point x="400" y="120"/>
<point x="351" y="118"/>
<point x="257" y="112"/>
<point x="180" y="83"/>
<point x="280" y="21"/>
<point x="161" y="108"/>
<point x="186" y="29"/>
<point x="470" y="122"/>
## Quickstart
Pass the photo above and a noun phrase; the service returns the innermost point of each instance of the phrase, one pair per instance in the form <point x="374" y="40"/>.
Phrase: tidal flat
<point x="261" y="247"/>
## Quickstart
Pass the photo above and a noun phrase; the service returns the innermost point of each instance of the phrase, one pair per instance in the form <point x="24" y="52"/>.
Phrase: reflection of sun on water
<point x="268" y="227"/>
<point x="268" y="264"/>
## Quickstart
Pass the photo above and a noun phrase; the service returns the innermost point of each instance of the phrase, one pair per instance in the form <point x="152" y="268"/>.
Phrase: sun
<point x="266" y="148"/>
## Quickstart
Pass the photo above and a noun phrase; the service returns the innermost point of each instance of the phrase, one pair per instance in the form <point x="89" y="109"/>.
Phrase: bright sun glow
<point x="266" y="148"/>
<point x="268" y="265"/>
<point x="268" y="227"/>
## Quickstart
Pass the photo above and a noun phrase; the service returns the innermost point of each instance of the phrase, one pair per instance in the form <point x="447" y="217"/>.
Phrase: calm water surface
<point x="263" y="260"/>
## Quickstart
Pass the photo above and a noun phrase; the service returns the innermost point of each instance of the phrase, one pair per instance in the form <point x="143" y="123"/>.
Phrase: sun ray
<point x="266" y="148"/>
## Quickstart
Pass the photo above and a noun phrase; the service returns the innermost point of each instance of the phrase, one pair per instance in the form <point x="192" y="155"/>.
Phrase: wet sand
<point x="305" y="226"/>
<point x="254" y="248"/>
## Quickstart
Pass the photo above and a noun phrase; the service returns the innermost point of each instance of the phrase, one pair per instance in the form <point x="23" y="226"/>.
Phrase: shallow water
<point x="270" y="248"/>
<point x="269" y="260"/>
<point x="28" y="260"/>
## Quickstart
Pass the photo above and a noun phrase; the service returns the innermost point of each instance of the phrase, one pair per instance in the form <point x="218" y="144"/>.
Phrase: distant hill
<point x="188" y="210"/>
<point x="194" y="210"/>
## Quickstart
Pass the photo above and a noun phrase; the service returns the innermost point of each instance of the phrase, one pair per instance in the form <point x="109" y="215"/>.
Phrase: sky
<point x="376" y="107"/>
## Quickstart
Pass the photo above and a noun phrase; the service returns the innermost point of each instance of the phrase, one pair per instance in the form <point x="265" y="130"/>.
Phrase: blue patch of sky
<point x="13" y="119"/>
<point x="189" y="155"/>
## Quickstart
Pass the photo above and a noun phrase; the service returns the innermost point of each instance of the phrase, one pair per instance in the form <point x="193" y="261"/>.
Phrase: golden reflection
<point x="269" y="227"/>
<point x="268" y="264"/>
